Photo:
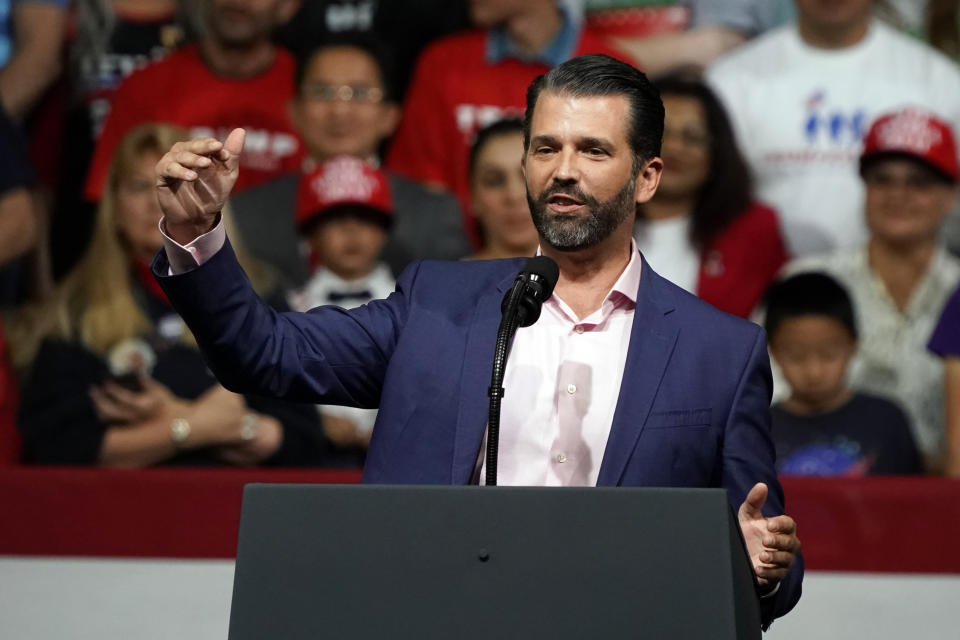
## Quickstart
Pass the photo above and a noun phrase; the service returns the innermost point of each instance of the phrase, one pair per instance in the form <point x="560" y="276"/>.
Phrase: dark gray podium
<point x="326" y="561"/>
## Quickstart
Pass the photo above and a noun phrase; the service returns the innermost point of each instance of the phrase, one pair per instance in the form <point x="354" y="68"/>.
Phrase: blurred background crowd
<point x="810" y="184"/>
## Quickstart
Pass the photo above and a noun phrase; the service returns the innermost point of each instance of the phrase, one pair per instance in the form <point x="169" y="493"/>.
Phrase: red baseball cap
<point x="344" y="182"/>
<point x="915" y="133"/>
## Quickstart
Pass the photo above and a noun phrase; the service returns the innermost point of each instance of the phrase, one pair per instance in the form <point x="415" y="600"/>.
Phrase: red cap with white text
<point x="344" y="184"/>
<point x="914" y="133"/>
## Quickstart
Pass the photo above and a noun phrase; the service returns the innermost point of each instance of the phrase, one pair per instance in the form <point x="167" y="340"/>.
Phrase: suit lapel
<point x="474" y="381"/>
<point x="652" y="340"/>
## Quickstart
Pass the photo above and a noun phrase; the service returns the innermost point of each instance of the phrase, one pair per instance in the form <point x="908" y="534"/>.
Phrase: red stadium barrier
<point x="849" y="524"/>
<point x="887" y="524"/>
<point x="179" y="513"/>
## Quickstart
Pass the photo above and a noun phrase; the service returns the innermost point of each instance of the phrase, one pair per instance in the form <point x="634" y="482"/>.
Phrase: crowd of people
<point x="810" y="183"/>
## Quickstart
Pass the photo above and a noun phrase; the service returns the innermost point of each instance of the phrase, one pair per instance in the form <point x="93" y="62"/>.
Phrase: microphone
<point x="520" y="308"/>
<point x="536" y="282"/>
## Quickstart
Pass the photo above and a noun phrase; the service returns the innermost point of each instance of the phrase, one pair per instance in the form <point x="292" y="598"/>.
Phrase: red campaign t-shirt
<point x="181" y="90"/>
<point x="455" y="92"/>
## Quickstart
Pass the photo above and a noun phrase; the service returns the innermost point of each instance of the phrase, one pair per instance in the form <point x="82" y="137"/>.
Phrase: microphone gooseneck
<point x="520" y="308"/>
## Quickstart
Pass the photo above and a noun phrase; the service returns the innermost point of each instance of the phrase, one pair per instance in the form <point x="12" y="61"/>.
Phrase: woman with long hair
<point x="702" y="230"/>
<point x="111" y="374"/>
<point x="498" y="192"/>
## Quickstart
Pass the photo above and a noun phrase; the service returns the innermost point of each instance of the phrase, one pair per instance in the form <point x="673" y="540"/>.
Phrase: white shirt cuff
<point x="187" y="257"/>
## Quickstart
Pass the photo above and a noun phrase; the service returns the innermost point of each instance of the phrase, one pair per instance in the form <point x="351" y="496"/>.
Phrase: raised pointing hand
<point x="194" y="179"/>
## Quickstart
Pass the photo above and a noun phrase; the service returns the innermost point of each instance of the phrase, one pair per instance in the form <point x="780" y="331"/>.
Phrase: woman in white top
<point x="702" y="230"/>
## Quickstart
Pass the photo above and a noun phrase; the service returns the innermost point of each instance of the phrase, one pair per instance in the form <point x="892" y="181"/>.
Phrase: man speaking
<point x="624" y="380"/>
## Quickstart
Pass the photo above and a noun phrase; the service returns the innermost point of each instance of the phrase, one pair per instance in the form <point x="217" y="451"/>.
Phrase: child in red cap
<point x="344" y="212"/>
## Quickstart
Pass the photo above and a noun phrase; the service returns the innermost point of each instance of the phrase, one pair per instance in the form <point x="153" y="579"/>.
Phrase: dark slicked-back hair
<point x="600" y="75"/>
<point x="808" y="294"/>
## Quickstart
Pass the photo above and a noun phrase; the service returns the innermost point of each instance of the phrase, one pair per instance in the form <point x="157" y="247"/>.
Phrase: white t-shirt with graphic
<point x="800" y="115"/>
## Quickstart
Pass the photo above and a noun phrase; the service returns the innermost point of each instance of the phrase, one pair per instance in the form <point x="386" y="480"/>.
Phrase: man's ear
<point x="648" y="179"/>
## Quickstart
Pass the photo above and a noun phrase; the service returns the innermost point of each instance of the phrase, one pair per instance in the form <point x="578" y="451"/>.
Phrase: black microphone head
<point x="545" y="272"/>
<point x="540" y="276"/>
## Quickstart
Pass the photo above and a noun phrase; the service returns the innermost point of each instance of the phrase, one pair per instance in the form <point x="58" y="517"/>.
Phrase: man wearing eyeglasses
<point x="344" y="105"/>
<point x="236" y="77"/>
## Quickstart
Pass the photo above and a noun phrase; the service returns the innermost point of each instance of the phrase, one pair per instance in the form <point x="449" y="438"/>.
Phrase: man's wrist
<point x="186" y="232"/>
<point x="184" y="257"/>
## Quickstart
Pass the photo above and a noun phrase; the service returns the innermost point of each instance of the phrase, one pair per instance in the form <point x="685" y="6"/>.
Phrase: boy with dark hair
<point x="824" y="428"/>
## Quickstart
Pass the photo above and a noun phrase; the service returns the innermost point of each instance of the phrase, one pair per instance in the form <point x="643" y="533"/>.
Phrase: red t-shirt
<point x="455" y="92"/>
<point x="181" y="90"/>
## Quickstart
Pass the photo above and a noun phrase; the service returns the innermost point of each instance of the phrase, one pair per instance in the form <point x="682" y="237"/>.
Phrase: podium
<point x="370" y="561"/>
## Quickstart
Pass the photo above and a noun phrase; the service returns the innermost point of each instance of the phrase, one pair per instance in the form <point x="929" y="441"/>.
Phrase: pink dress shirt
<point x="562" y="383"/>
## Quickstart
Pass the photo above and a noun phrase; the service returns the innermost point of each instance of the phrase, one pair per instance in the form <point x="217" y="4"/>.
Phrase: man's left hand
<point x="771" y="542"/>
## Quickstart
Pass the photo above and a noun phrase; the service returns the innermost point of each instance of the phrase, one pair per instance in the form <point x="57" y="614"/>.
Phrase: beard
<point x="574" y="231"/>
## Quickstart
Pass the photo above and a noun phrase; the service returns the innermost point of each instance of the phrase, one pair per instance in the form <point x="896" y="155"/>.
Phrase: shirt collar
<point x="501" y="47"/>
<point x="629" y="281"/>
<point x="622" y="293"/>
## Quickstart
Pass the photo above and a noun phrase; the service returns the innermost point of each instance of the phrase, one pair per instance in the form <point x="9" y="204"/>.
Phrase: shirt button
<point x="578" y="328"/>
<point x="571" y="388"/>
<point x="561" y="458"/>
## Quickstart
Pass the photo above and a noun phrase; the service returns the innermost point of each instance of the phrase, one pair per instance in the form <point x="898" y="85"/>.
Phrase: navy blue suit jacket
<point x="693" y="409"/>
